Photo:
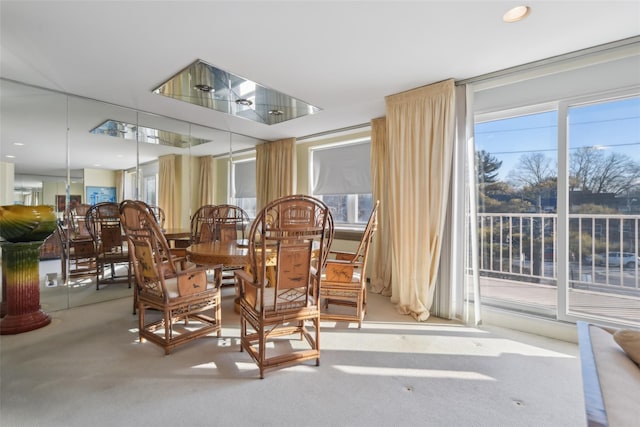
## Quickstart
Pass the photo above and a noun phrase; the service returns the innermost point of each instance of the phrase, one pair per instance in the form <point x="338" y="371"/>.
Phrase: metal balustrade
<point x="523" y="247"/>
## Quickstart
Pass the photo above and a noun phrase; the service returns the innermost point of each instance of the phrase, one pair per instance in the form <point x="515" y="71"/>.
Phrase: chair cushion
<point x="630" y="342"/>
<point x="293" y="298"/>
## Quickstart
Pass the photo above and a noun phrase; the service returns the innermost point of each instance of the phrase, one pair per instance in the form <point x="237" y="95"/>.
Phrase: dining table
<point x="229" y="253"/>
<point x="232" y="253"/>
<point x="177" y="237"/>
<point x="220" y="254"/>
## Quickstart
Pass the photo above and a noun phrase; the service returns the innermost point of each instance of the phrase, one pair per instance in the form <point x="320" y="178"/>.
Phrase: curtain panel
<point x="381" y="249"/>
<point x="119" y="185"/>
<point x="166" y="189"/>
<point x="205" y="182"/>
<point x="276" y="165"/>
<point x="420" y="129"/>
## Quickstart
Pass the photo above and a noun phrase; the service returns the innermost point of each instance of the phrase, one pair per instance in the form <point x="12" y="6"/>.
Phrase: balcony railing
<point x="521" y="249"/>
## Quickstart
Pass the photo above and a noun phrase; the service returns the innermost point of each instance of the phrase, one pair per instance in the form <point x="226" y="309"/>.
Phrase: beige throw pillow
<point x="630" y="343"/>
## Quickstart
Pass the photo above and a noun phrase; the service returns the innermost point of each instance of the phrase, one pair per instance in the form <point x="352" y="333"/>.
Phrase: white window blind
<point x="343" y="169"/>
<point x="245" y="179"/>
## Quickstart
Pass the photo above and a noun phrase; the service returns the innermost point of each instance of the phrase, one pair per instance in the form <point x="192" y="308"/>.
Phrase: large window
<point x="244" y="185"/>
<point x="580" y="261"/>
<point x="340" y="176"/>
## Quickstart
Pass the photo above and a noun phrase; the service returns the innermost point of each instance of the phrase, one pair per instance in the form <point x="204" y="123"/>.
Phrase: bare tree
<point x="596" y="171"/>
<point x="532" y="170"/>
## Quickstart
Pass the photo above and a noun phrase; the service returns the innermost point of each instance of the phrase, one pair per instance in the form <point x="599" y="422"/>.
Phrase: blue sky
<point x="611" y="126"/>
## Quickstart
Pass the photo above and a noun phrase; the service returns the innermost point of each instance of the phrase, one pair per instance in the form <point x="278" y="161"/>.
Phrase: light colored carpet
<point x="87" y="368"/>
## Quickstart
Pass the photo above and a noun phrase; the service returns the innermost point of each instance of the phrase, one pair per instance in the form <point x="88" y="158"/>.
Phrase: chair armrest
<point x="247" y="293"/>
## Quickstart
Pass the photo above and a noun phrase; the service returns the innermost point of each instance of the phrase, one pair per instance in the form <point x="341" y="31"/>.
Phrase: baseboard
<point x="533" y="325"/>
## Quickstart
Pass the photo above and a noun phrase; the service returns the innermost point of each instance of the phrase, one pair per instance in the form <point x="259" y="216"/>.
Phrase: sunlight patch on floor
<point x="414" y="373"/>
<point x="210" y="365"/>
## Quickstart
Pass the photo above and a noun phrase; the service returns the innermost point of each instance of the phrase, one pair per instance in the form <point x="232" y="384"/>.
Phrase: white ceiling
<point x="343" y="57"/>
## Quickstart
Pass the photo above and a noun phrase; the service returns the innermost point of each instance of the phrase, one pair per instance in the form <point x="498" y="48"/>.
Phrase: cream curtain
<point x="276" y="167"/>
<point x="420" y="128"/>
<point x="381" y="249"/>
<point x="205" y="183"/>
<point x="119" y="185"/>
<point x="167" y="188"/>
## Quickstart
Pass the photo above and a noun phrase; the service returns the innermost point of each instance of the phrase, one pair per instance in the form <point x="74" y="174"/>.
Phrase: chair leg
<point x="167" y="330"/>
<point x="140" y="321"/>
<point x="243" y="331"/>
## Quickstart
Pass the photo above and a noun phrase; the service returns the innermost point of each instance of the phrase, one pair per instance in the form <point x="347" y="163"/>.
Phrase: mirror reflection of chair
<point x="77" y="222"/>
<point x="176" y="304"/>
<point x="344" y="281"/>
<point x="297" y="232"/>
<point x="203" y="225"/>
<point x="103" y="222"/>
<point x="78" y="250"/>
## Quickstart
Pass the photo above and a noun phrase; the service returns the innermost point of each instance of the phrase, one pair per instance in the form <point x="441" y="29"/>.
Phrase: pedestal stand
<point x="21" y="288"/>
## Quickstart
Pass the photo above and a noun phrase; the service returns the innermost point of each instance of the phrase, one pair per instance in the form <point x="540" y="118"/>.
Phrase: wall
<point x="6" y="188"/>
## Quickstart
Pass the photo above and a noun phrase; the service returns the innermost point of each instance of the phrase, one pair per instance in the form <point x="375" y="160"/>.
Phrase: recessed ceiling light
<point x="19" y="144"/>
<point x="516" y="14"/>
<point x="276" y="112"/>
<point x="9" y="156"/>
<point x="244" y="101"/>
<point x="204" y="88"/>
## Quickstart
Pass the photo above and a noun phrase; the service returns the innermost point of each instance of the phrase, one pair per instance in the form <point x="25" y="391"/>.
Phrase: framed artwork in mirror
<point x="101" y="194"/>
<point x="74" y="200"/>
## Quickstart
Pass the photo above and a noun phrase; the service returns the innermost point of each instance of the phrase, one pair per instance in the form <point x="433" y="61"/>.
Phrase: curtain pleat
<point x="276" y="167"/>
<point x="381" y="249"/>
<point x="205" y="183"/>
<point x="166" y="189"/>
<point x="420" y="128"/>
<point x="119" y="185"/>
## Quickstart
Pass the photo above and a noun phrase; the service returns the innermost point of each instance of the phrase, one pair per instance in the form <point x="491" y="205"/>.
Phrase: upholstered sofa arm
<point x="611" y="380"/>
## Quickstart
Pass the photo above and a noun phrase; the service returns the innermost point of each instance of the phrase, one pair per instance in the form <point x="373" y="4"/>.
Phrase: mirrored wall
<point x="63" y="150"/>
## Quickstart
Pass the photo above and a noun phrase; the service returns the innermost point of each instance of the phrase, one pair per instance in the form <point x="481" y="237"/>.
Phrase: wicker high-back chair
<point x="103" y="223"/>
<point x="230" y="223"/>
<point x="164" y="285"/>
<point x="344" y="282"/>
<point x="203" y="225"/>
<point x="159" y="215"/>
<point x="293" y="233"/>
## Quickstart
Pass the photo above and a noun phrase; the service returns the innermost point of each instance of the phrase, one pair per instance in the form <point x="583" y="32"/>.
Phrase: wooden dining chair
<point x="203" y="225"/>
<point x="103" y="223"/>
<point x="187" y="303"/>
<point x="344" y="282"/>
<point x="297" y="232"/>
<point x="78" y="249"/>
<point x="230" y="223"/>
<point x="159" y="215"/>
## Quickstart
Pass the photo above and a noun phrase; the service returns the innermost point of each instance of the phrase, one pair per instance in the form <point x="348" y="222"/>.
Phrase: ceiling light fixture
<point x="276" y="112"/>
<point x="211" y="87"/>
<point x="204" y="88"/>
<point x="516" y="14"/>
<point x="146" y="134"/>
<point x="244" y="101"/>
